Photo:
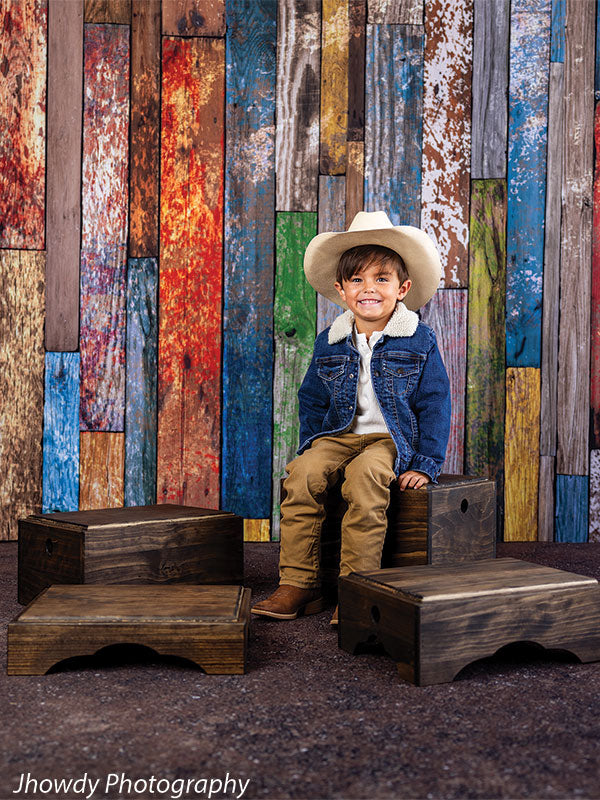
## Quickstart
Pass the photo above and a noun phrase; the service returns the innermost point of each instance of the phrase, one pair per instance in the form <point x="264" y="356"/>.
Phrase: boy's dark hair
<point x="358" y="258"/>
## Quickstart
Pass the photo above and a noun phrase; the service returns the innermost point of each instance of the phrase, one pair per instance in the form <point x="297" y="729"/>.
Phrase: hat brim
<point x="412" y="244"/>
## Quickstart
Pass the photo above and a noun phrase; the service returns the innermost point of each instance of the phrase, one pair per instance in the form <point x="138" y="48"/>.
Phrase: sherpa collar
<point x="402" y="323"/>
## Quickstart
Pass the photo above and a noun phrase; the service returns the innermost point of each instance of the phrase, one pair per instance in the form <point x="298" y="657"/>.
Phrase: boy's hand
<point x="412" y="479"/>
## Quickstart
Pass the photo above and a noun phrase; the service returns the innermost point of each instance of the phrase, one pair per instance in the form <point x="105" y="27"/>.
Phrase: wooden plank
<point x="295" y="316"/>
<point x="572" y="507"/>
<point x="551" y="287"/>
<point x="298" y="88"/>
<point x="108" y="11"/>
<point x="191" y="253"/>
<point x="447" y="133"/>
<point x="394" y="121"/>
<point x="331" y="218"/>
<point x="355" y="177"/>
<point x="527" y="134"/>
<point x="21" y="386"/>
<point x="145" y="122"/>
<point x="576" y="246"/>
<point x="396" y="12"/>
<point x="446" y="313"/>
<point x="249" y="259"/>
<point x="557" y="41"/>
<point x="257" y="530"/>
<point x="485" y="349"/>
<point x="521" y="454"/>
<point x="594" y="507"/>
<point x="63" y="190"/>
<point x="595" y="289"/>
<point x="101" y="470"/>
<point x="357" y="14"/>
<point x="104" y="226"/>
<point x="490" y="85"/>
<point x="141" y="388"/>
<point x="334" y="86"/>
<point x="193" y="17"/>
<point x="61" y="433"/>
<point x="23" y="45"/>
<point x="546" y="499"/>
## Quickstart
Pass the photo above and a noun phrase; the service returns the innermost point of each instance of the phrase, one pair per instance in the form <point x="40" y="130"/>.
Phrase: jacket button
<point x="351" y="375"/>
<point x="376" y="373"/>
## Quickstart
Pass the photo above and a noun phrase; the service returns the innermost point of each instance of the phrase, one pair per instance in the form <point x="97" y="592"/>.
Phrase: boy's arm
<point x="313" y="404"/>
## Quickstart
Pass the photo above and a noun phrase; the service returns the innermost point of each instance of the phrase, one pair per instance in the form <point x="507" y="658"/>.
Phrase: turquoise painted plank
<point x="141" y="382"/>
<point x="571" y="512"/>
<point x="557" y="42"/>
<point x="394" y="121"/>
<point x="527" y="137"/>
<point x="60" y="481"/>
<point x="248" y="353"/>
<point x="332" y="217"/>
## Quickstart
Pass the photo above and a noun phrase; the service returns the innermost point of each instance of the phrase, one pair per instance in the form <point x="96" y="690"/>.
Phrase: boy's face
<point x="371" y="295"/>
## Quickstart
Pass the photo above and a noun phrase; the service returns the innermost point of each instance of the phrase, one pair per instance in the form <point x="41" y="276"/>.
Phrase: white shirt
<point x="368" y="418"/>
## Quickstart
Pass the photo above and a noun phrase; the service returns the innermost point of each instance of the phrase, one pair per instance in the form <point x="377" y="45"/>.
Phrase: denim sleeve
<point x="313" y="403"/>
<point x="431" y="406"/>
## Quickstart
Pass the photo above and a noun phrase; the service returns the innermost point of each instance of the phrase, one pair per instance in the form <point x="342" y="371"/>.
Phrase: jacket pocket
<point x="331" y="368"/>
<point x="401" y="372"/>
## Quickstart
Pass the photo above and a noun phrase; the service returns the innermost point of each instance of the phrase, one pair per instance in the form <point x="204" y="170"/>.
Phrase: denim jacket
<point x="409" y="380"/>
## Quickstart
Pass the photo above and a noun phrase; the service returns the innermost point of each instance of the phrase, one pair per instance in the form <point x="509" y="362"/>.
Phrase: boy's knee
<point x="304" y="476"/>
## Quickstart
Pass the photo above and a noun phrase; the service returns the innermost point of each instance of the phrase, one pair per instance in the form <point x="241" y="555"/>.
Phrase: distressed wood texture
<point x="193" y="17"/>
<point x="521" y="454"/>
<point x="446" y="313"/>
<point x="21" y="386"/>
<point x="191" y="252"/>
<point x="394" y="121"/>
<point x="572" y="508"/>
<point x="145" y="123"/>
<point x="101" y="470"/>
<point x="104" y="226"/>
<point x="576" y="244"/>
<point x="331" y="218"/>
<point x="546" y="499"/>
<point x="257" y="530"/>
<point x="61" y="433"/>
<point x="107" y="11"/>
<point x="594" y="508"/>
<point x="23" y="45"/>
<point x="355" y="177"/>
<point x="140" y="417"/>
<point x="298" y="79"/>
<point x="334" y="86"/>
<point x="447" y="133"/>
<point x="551" y="288"/>
<point x="557" y="41"/>
<point x="357" y="14"/>
<point x="295" y="314"/>
<point x="485" y="401"/>
<point x="595" y="309"/>
<point x="249" y="259"/>
<point x="527" y="134"/>
<point x="396" y="12"/>
<point x="490" y="85"/>
<point x="63" y="188"/>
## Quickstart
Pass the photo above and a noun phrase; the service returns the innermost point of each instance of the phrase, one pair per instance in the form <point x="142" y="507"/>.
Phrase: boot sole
<point x="314" y="607"/>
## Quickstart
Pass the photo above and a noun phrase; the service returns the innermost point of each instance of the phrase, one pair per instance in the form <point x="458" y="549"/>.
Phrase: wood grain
<point x="61" y="433"/>
<point x="101" y="470"/>
<point x="297" y="92"/>
<point x="521" y="454"/>
<point x="355" y="177"/>
<point x="108" y="11"/>
<point x="394" y="121"/>
<point x="334" y="86"/>
<point x="527" y="136"/>
<point x="144" y="132"/>
<point x="295" y="313"/>
<point x="447" y="133"/>
<point x="490" y="85"/>
<point x="104" y="227"/>
<point x="557" y="42"/>
<point x="23" y="46"/>
<point x="546" y="499"/>
<point x="576" y="246"/>
<point x="21" y="386"/>
<point x="572" y="508"/>
<point x="446" y="313"/>
<point x="356" y="71"/>
<point x="330" y="218"/>
<point x="595" y="289"/>
<point x="193" y="17"/>
<point x="396" y="12"/>
<point x="63" y="188"/>
<point x="257" y="530"/>
<point x="191" y="252"/>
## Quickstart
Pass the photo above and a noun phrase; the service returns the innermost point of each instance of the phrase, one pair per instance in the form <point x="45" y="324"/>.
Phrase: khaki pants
<point x="367" y="463"/>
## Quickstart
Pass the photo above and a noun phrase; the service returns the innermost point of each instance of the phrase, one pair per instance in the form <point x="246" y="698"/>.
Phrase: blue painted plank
<point x="332" y="217"/>
<point x="571" y="512"/>
<point x="141" y="382"/>
<point x="394" y="121"/>
<point x="527" y="137"/>
<point x="557" y="42"/>
<point x="249" y="257"/>
<point x="60" y="482"/>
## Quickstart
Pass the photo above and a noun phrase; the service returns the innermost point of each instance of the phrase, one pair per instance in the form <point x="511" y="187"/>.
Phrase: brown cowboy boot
<point x="289" y="602"/>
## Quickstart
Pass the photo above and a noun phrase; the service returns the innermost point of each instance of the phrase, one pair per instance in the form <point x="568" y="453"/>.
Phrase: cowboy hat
<point x="374" y="227"/>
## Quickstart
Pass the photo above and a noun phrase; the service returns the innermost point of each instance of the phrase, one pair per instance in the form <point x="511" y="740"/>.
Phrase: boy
<point x="374" y="404"/>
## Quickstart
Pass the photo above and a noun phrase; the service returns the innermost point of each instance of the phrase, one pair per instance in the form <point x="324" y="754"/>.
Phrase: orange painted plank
<point x="193" y="17"/>
<point x="102" y="459"/>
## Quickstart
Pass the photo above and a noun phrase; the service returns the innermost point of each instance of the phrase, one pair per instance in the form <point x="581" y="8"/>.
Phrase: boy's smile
<point x="371" y="295"/>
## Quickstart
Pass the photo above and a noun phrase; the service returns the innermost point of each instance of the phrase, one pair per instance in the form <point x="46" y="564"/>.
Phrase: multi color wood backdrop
<point x="163" y="166"/>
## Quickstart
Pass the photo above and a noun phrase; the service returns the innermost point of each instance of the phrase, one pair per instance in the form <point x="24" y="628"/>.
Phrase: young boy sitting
<point x="374" y="404"/>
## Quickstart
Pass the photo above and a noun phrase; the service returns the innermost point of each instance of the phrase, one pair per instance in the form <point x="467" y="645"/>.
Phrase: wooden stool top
<point x="161" y="512"/>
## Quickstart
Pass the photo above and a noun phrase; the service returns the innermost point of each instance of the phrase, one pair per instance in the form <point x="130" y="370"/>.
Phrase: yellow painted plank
<point x="334" y="86"/>
<point x="257" y="530"/>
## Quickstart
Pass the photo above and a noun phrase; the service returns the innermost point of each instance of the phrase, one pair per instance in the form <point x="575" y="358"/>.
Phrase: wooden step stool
<point x="434" y="620"/>
<point x="141" y="544"/>
<point x="205" y="624"/>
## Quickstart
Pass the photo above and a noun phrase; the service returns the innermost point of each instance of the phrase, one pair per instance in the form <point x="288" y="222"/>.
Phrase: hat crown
<point x="370" y="221"/>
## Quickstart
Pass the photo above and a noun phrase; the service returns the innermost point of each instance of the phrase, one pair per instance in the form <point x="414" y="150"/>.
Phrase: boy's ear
<point x="403" y="290"/>
<point x="340" y="291"/>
